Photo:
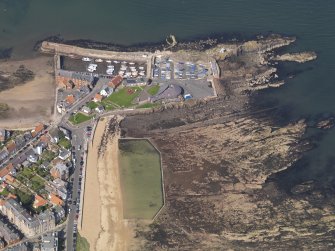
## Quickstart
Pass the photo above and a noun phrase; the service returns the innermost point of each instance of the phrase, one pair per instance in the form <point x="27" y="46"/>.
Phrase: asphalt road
<point x="78" y="141"/>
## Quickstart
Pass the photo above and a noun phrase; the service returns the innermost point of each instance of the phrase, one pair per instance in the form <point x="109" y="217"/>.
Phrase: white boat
<point x="131" y="63"/>
<point x="124" y="62"/>
<point x="134" y="74"/>
<point x="109" y="61"/>
<point x="142" y="73"/>
<point x="86" y="59"/>
<point x="110" y="71"/>
<point x="98" y="60"/>
<point x="116" y="62"/>
<point x="121" y="73"/>
<point x="141" y="68"/>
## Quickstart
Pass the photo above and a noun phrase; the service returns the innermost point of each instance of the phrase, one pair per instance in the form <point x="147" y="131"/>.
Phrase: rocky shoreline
<point x="218" y="156"/>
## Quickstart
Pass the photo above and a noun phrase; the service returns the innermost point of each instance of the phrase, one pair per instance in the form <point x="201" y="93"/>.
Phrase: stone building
<point x="29" y="225"/>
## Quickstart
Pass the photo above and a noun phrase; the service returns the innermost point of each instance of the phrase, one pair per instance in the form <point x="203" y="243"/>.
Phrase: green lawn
<point x="27" y="172"/>
<point x="153" y="90"/>
<point x="49" y="155"/>
<point x="122" y="98"/>
<point x="25" y="198"/>
<point x="37" y="184"/>
<point x="141" y="183"/>
<point x="79" y="118"/>
<point x="4" y="192"/>
<point x="92" y="105"/>
<point x="65" y="143"/>
<point x="82" y="244"/>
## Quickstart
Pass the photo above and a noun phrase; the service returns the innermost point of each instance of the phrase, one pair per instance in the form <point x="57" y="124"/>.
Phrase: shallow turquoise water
<point x="311" y="93"/>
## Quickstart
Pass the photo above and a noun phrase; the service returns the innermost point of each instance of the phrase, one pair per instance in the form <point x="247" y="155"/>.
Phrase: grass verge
<point x="153" y="90"/>
<point x="79" y="118"/>
<point x="82" y="243"/>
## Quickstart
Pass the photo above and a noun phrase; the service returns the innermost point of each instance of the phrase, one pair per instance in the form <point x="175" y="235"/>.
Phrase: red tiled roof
<point x="39" y="201"/>
<point x="55" y="199"/>
<point x="6" y="170"/>
<point x="115" y="82"/>
<point x="70" y="99"/>
<point x="10" y="178"/>
<point x="11" y="196"/>
<point x="97" y="97"/>
<point x="11" y="146"/>
<point x="39" y="127"/>
<point x="45" y="139"/>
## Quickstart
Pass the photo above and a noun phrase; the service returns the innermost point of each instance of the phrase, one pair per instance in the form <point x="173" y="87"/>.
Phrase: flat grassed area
<point x="141" y="183"/>
<point x="122" y="98"/>
<point x="79" y="118"/>
<point x="153" y="90"/>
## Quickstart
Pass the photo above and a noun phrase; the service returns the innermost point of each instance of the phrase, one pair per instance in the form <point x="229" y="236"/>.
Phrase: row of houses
<point x="19" y="142"/>
<point x="30" y="225"/>
<point x="8" y="233"/>
<point x="70" y="80"/>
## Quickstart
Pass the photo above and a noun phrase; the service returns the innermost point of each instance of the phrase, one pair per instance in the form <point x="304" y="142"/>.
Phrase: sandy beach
<point x="33" y="101"/>
<point x="103" y="225"/>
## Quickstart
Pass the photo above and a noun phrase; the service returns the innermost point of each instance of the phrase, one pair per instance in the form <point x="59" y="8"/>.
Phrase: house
<point x="3" y="154"/>
<point x="106" y="91"/>
<point x="45" y="139"/>
<point x="18" y="160"/>
<point x="66" y="132"/>
<point x="60" y="170"/>
<point x="11" y="147"/>
<point x="86" y="109"/>
<point x="100" y="109"/>
<point x="38" y="129"/>
<point x="97" y="98"/>
<point x="55" y="200"/>
<point x="57" y="187"/>
<point x="10" y="179"/>
<point x="20" y="141"/>
<point x="9" y="169"/>
<point x="64" y="154"/>
<point x="45" y="164"/>
<point x="32" y="156"/>
<point x="40" y="147"/>
<point x="54" y="135"/>
<point x="39" y="202"/>
<point x="115" y="82"/>
<point x="70" y="99"/>
<point x="27" y="136"/>
<point x="26" y="164"/>
<point x="59" y="213"/>
<point x="59" y="183"/>
<point x="3" y="135"/>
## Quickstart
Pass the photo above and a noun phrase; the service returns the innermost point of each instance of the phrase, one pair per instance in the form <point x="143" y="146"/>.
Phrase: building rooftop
<point x="49" y="242"/>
